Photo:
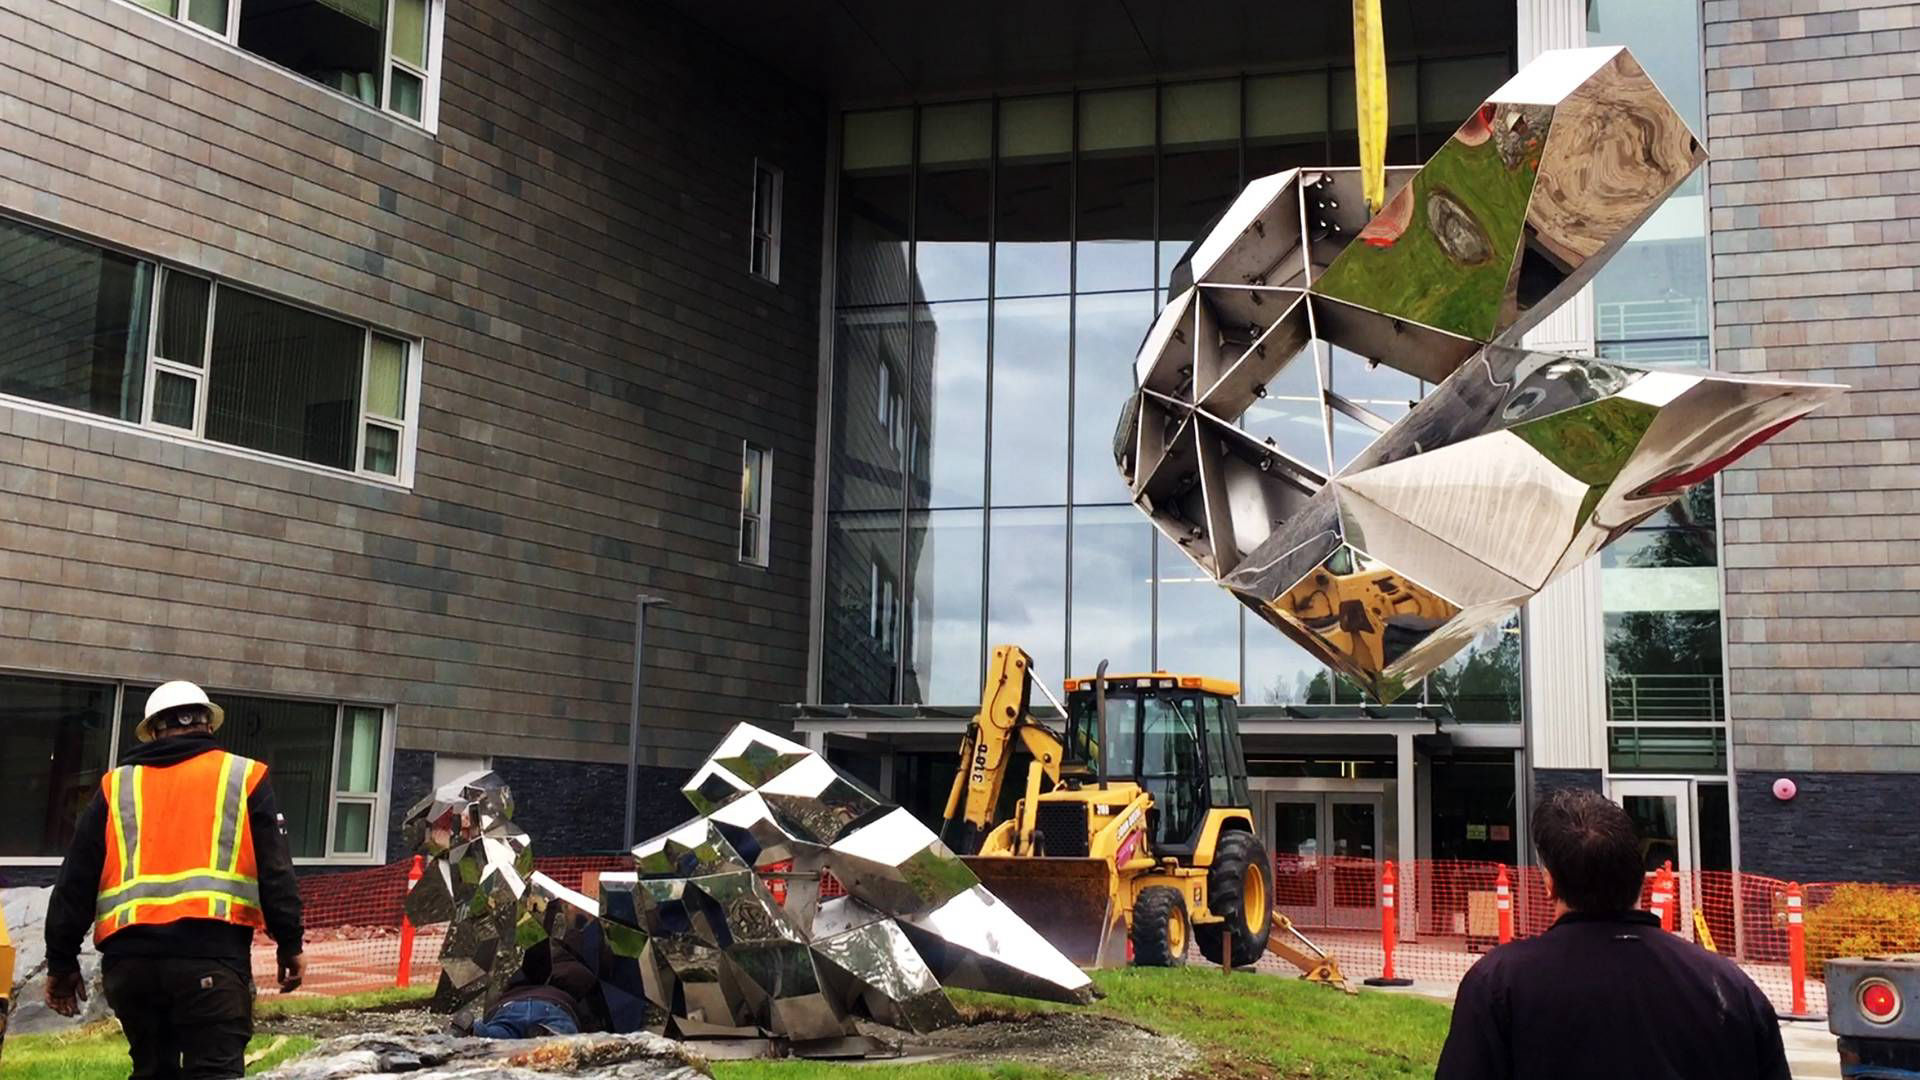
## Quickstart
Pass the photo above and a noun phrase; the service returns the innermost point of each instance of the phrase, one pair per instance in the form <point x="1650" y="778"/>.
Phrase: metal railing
<point x="1665" y="699"/>
<point x="1626" y="319"/>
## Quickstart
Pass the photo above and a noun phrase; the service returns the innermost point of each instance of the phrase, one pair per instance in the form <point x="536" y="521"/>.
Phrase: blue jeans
<point x="526" y="1020"/>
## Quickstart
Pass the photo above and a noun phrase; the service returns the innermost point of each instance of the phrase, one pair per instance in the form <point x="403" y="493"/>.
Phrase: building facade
<point x="367" y="359"/>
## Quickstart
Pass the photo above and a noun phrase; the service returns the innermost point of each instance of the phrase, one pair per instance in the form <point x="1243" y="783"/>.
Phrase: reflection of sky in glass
<point x="1030" y="402"/>
<point x="1027" y="587"/>
<point x="1107" y="333"/>
<point x="1112" y="589"/>
<point x="1278" y="671"/>
<point x="945" y="664"/>
<point x="1481" y="683"/>
<point x="952" y="341"/>
<point x="1290" y="413"/>
<point x="1199" y="621"/>
<point x="955" y="269"/>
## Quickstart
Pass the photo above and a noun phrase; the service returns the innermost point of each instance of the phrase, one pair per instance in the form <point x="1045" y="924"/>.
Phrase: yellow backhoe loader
<point x="1135" y="832"/>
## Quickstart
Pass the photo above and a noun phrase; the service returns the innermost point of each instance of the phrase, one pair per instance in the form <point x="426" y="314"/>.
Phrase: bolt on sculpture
<point x="699" y="931"/>
<point x="1518" y="465"/>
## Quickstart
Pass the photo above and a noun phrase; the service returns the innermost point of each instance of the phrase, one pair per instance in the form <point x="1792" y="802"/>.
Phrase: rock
<point x="26" y="914"/>
<point x="444" y="1057"/>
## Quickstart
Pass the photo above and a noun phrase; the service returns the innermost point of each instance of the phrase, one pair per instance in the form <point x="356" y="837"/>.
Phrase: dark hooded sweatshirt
<point x="71" y="908"/>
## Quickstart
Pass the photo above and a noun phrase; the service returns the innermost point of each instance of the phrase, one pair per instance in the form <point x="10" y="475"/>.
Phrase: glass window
<point x="1033" y="196"/>
<point x="339" y="43"/>
<point x="764" y="256"/>
<point x="1221" y="790"/>
<point x="184" y="308"/>
<point x="946" y="554"/>
<point x="1280" y="672"/>
<point x="1481" y="684"/>
<point x="950" y="213"/>
<point x="1286" y="122"/>
<point x="1027" y="586"/>
<point x="870" y="349"/>
<point x="1403" y="146"/>
<point x="876" y="193"/>
<point x="856" y="665"/>
<point x="1650" y="300"/>
<point x="173" y="400"/>
<point x="295" y="739"/>
<point x="1106" y="334"/>
<point x="1116" y="169"/>
<point x="410" y="32"/>
<point x="208" y="14"/>
<point x="1199" y="161"/>
<point x="1170" y="763"/>
<point x="73" y="322"/>
<point x="950" y="403"/>
<point x="756" y="503"/>
<point x="358" y="772"/>
<point x="284" y="380"/>
<point x="1199" y="620"/>
<point x="1112" y="590"/>
<point x="54" y="741"/>
<point x="1029" y="402"/>
<point x="1288" y="417"/>
<point x="1667" y="749"/>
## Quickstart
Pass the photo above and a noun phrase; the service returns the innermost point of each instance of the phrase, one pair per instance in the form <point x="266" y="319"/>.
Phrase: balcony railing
<point x="1665" y="699"/>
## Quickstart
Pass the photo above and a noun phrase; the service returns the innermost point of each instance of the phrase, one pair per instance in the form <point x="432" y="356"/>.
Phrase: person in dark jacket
<point x="175" y="862"/>
<point x="1606" y="993"/>
<point x="555" y="992"/>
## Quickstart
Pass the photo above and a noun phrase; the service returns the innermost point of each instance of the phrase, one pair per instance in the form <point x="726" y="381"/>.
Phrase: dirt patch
<point x="394" y="1020"/>
<point x="1073" y="1042"/>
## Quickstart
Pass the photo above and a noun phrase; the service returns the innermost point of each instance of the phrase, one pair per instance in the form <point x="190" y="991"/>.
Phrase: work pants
<point x="186" y="1018"/>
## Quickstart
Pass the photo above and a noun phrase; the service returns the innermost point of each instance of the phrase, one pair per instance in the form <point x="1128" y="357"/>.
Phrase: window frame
<point x="381" y="799"/>
<point x="435" y="30"/>
<point x="768" y="231"/>
<point x="152" y="365"/>
<point x="762" y="514"/>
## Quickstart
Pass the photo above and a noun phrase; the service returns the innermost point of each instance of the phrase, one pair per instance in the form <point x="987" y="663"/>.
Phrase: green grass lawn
<point x="99" y="1052"/>
<point x="1246" y="1026"/>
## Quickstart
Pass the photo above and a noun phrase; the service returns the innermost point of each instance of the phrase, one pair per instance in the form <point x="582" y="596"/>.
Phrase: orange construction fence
<point x="1446" y="914"/>
<point x="1449" y="912"/>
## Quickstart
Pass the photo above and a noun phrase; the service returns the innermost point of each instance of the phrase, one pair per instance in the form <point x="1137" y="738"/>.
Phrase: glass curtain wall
<point x="998" y="263"/>
<point x="1660" y="584"/>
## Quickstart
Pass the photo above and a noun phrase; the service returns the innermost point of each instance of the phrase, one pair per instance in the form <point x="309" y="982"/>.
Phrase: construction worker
<point x="180" y="856"/>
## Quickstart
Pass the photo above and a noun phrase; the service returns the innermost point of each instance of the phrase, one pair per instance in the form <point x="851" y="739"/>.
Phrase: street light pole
<point x="641" y="602"/>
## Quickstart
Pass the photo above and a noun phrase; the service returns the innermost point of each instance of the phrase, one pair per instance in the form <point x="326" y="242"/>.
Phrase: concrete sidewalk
<point x="1811" y="1050"/>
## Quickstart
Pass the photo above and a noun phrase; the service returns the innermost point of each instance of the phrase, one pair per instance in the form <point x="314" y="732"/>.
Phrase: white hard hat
<point x="176" y="695"/>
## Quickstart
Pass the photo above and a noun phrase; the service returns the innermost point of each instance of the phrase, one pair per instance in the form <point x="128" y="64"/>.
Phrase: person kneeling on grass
<point x="554" y="993"/>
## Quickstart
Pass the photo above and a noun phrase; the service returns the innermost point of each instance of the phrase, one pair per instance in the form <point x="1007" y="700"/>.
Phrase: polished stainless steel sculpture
<point x="697" y="926"/>
<point x="479" y="866"/>
<point x="722" y="956"/>
<point x="1518" y="465"/>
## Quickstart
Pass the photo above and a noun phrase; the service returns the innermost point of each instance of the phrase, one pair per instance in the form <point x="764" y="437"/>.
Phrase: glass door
<point x="1352" y="871"/>
<point x="1662" y="813"/>
<point x="1297" y="850"/>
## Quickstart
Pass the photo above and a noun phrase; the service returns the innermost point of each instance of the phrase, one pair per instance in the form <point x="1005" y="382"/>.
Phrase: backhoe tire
<point x="1240" y="866"/>
<point x="1160" y="928"/>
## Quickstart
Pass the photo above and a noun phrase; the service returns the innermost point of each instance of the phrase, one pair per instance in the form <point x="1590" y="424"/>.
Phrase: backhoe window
<point x="1170" y="763"/>
<point x="1084" y="741"/>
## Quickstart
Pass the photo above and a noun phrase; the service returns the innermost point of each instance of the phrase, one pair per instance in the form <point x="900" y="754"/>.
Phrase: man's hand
<point x="291" y="972"/>
<point x="66" y="992"/>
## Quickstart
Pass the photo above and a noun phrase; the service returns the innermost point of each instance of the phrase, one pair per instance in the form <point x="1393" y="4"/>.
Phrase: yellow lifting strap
<point x="1370" y="100"/>
<point x="6" y="976"/>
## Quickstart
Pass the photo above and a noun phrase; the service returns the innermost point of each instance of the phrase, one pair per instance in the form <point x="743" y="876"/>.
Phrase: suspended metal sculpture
<point x="696" y="928"/>
<point x="1518" y="465"/>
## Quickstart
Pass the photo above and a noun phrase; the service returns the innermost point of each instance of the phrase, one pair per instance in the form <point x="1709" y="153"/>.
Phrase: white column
<point x="817" y="742"/>
<point x="1406" y="887"/>
<point x="1566" y="659"/>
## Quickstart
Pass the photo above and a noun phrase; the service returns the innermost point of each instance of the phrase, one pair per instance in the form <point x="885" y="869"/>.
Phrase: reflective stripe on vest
<point x="159" y="871"/>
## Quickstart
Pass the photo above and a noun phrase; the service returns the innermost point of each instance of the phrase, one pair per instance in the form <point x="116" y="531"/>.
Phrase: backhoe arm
<point x="987" y="749"/>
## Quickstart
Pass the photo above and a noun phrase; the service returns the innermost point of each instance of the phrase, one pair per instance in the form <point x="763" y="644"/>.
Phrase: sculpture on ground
<point x="696" y="927"/>
<point x="1517" y="466"/>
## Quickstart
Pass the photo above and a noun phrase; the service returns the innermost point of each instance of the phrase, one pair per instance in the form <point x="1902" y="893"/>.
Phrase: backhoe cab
<point x="1134" y="828"/>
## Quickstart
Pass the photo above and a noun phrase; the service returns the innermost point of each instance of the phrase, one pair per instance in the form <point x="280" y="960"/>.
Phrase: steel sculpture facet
<point x="696" y="928"/>
<point x="1518" y="465"/>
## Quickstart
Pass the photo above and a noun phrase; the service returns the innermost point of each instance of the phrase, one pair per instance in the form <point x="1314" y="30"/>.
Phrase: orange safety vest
<point x="179" y="845"/>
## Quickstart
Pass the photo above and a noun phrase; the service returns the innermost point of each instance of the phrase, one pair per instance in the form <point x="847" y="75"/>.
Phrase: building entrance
<point x="1326" y="848"/>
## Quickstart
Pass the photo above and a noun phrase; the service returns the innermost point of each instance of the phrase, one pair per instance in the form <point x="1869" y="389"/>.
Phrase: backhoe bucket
<point x="1067" y="901"/>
